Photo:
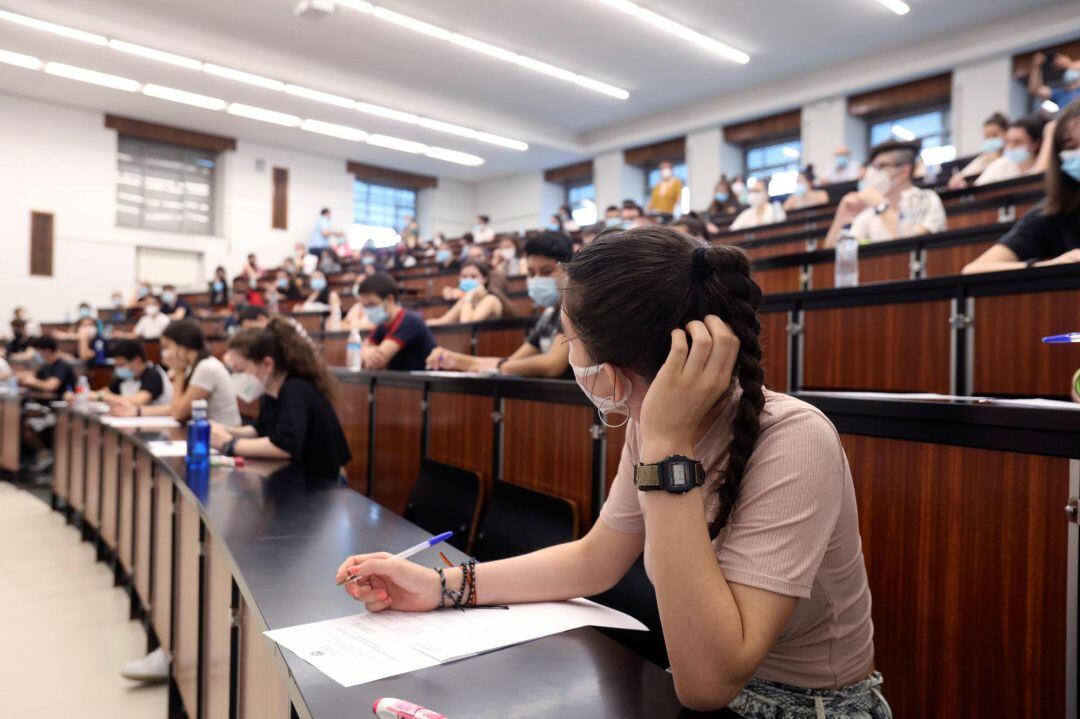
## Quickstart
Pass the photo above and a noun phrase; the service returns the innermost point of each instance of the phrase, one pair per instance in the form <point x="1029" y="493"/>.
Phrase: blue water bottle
<point x="198" y="442"/>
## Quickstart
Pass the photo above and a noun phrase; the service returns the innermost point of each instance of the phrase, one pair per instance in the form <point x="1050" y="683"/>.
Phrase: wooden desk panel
<point x="499" y="343"/>
<point x="161" y="569"/>
<point x="143" y="510"/>
<point x="775" y="249"/>
<point x="77" y="463"/>
<point x="774" y="349"/>
<point x="1009" y="356"/>
<point x="889" y="348"/>
<point x="217" y="630"/>
<point x="461" y="431"/>
<point x="334" y="349"/>
<point x="779" y="279"/>
<point x="92" y="515"/>
<point x="100" y="376"/>
<point x="398" y="427"/>
<point x="547" y="446"/>
<point x="950" y="260"/>
<point x="110" y="479"/>
<point x="946" y="644"/>
<point x="261" y="691"/>
<point x="126" y="513"/>
<point x="311" y="322"/>
<point x="353" y="407"/>
<point x="456" y="340"/>
<point x="186" y="601"/>
<point x="875" y="268"/>
<point x="11" y="427"/>
<point x="62" y="456"/>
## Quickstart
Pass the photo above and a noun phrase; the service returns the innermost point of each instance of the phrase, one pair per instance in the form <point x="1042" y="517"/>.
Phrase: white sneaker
<point x="154" y="667"/>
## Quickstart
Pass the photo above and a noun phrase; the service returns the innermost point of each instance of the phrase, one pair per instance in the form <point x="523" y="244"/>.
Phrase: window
<point x="777" y="160"/>
<point x="582" y="201"/>
<point x="931" y="127"/>
<point x="165" y="187"/>
<point x="380" y="212"/>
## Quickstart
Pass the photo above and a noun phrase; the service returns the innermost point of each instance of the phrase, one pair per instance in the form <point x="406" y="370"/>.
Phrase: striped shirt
<point x="918" y="208"/>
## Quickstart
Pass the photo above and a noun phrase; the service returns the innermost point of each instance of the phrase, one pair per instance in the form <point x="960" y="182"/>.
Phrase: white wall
<point x="979" y="90"/>
<point x="512" y="202"/>
<point x="449" y="208"/>
<point x="703" y="164"/>
<point x="826" y="124"/>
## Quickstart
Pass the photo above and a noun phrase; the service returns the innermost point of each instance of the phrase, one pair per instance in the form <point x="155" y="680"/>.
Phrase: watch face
<point x="680" y="477"/>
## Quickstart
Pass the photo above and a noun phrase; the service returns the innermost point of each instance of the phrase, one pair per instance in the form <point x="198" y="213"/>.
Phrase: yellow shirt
<point x="665" y="195"/>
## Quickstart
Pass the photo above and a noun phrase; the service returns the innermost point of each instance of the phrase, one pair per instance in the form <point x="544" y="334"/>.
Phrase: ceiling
<point x="368" y="59"/>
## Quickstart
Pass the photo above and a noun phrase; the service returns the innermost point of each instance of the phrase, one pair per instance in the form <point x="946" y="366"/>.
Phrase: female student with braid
<point x="741" y="498"/>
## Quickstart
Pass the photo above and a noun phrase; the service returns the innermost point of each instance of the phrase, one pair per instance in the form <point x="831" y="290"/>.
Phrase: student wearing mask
<point x="993" y="131"/>
<point x="296" y="418"/>
<point x="117" y="309"/>
<point x="173" y="305"/>
<point x="544" y="352"/>
<point x="53" y="377"/>
<point x="136" y="382"/>
<point x="253" y="317"/>
<point x="152" y="323"/>
<point x="724" y="202"/>
<point x="1049" y="234"/>
<point x="805" y="194"/>
<point x="143" y="291"/>
<point x="196" y="374"/>
<point x="761" y="210"/>
<point x="401" y="339"/>
<point x="888" y="205"/>
<point x="612" y="216"/>
<point x="844" y="170"/>
<point x="478" y="301"/>
<point x="219" y="288"/>
<point x="33" y="329"/>
<point x="1063" y="92"/>
<point x="287" y="286"/>
<point x="1023" y="140"/>
<point x="566" y="220"/>
<point x="740" y="498"/>
<point x="322" y="233"/>
<point x="505" y="260"/>
<point x="666" y="193"/>
<point x="482" y="233"/>
<point x="89" y="335"/>
<point x="251" y="270"/>
<point x="321" y="294"/>
<point x="630" y="214"/>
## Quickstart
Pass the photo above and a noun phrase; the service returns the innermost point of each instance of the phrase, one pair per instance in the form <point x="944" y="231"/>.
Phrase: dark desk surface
<point x="287" y="534"/>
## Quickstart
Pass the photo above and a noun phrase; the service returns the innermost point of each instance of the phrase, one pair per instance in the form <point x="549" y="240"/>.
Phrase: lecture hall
<point x="480" y="359"/>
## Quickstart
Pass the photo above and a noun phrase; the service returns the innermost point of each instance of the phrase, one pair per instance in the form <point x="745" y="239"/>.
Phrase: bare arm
<point x="379" y="357"/>
<point x="451" y="316"/>
<point x="551" y="364"/>
<point x="489" y="307"/>
<point x="996" y="258"/>
<point x="1035" y="78"/>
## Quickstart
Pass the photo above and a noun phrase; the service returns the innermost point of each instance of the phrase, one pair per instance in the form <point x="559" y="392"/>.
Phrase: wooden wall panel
<point x="924" y="92"/>
<point x="77" y="484"/>
<point x="41" y="243"/>
<point x="890" y="348"/>
<point x="279" y="212"/>
<point x="171" y="135"/>
<point x="92" y="514"/>
<point x="499" y="343"/>
<point x="1009" y="356"/>
<point x="261" y="690"/>
<point x="62" y="456"/>
<point x="968" y="576"/>
<point x="352" y="407"/>
<point x="217" y="630"/>
<point x="523" y="306"/>
<point x="334" y="349"/>
<point x="461" y="431"/>
<point x="779" y="279"/>
<point x="11" y="427"/>
<point x="312" y="322"/>
<point x="456" y="340"/>
<point x="143" y="511"/>
<point x="186" y="608"/>
<point x="547" y="446"/>
<point x="875" y="268"/>
<point x="162" y="568"/>
<point x="398" y="426"/>
<point x="773" y="127"/>
<point x="110" y="479"/>
<point x="126" y="511"/>
<point x="774" y="341"/>
<point x="387" y="176"/>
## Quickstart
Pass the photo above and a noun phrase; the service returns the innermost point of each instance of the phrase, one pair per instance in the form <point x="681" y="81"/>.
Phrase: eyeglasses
<point x="886" y="165"/>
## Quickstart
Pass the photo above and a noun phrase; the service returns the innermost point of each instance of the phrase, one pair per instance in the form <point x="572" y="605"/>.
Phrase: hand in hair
<point x="687" y="387"/>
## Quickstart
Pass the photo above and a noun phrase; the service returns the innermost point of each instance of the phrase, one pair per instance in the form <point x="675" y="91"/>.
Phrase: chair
<point x="446" y="498"/>
<point x="635" y="595"/>
<point x="521" y="520"/>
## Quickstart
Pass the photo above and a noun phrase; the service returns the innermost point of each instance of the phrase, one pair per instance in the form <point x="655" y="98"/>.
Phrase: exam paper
<point x="165" y="448"/>
<point x="141" y="422"/>
<point x="362" y="648"/>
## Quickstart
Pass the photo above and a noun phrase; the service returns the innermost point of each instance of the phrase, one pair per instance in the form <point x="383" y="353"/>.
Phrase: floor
<point x="64" y="628"/>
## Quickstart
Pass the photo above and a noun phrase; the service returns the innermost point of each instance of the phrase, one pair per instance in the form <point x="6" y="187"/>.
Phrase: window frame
<point x="795" y="164"/>
<point x="189" y="158"/>
<point x="892" y="117"/>
<point x="399" y="212"/>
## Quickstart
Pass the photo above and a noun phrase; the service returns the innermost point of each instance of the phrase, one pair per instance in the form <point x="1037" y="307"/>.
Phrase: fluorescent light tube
<point x="897" y="6"/>
<point x="447" y="127"/>
<point x="461" y="158"/>
<point x="19" y="60"/>
<point x="182" y="96"/>
<point x="396" y="143"/>
<point x="258" y="113"/>
<point x="90" y="37"/>
<point x="483" y="47"/>
<point x="159" y="55"/>
<point x="502" y="141"/>
<point x="241" y="76"/>
<point x="357" y="5"/>
<point x="681" y="31"/>
<point x="616" y="92"/>
<point x="329" y="128"/>
<point x="388" y="113"/>
<point x="411" y="23"/>
<point x="320" y="96"/>
<point x="93" y="77"/>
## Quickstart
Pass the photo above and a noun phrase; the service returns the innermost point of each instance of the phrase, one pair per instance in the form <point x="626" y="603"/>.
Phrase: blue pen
<point x="413" y="550"/>
<point x="1062" y="339"/>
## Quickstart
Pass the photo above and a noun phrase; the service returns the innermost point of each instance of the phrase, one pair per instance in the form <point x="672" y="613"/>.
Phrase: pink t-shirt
<point x="794" y="531"/>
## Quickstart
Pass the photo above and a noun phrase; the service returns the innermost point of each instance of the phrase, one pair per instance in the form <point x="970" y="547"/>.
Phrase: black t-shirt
<point x="410" y="331"/>
<point x="219" y="298"/>
<point x="302" y="422"/>
<point x="18" y="343"/>
<point x="543" y="334"/>
<point x="1038" y="236"/>
<point x="151" y="381"/>
<point x="180" y="302"/>
<point x="62" y="371"/>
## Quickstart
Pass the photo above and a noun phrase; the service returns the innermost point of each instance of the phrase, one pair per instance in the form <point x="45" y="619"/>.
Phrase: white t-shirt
<point x="748" y="218"/>
<point x="210" y="375"/>
<point x="845" y="174"/>
<point x="150" y="328"/>
<point x="917" y="208"/>
<point x="1002" y="169"/>
<point x="131" y="387"/>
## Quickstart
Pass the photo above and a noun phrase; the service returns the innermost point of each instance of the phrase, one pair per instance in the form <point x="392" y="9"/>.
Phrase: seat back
<point x="521" y="520"/>
<point x="446" y="498"/>
<point x="635" y="595"/>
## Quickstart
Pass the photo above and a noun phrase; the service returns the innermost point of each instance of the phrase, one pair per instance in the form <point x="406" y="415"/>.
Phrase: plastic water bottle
<point x="353" y="356"/>
<point x="273" y="304"/>
<point x="198" y="441"/>
<point x="82" y="393"/>
<point x="847" y="259"/>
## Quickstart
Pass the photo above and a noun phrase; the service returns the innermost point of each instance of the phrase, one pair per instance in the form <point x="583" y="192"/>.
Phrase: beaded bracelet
<point x="459" y="598"/>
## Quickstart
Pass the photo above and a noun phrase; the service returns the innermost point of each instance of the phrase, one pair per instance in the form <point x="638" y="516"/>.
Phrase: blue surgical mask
<point x="543" y="291"/>
<point x="1019" y="155"/>
<point x="367" y="260"/>
<point x="123" y="373"/>
<point x="722" y="196"/>
<point x="318" y="284"/>
<point x="142" y="292"/>
<point x="841" y="161"/>
<point x="611" y="221"/>
<point x="376" y="315"/>
<point x="552" y="227"/>
<point x="993" y="144"/>
<point x="84" y="312"/>
<point x="283" y="284"/>
<point x="1071" y="75"/>
<point x="801" y="189"/>
<point x="219" y="286"/>
<point x="168" y="297"/>
<point x="1070" y="163"/>
<point x="468" y="284"/>
<point x="442" y="256"/>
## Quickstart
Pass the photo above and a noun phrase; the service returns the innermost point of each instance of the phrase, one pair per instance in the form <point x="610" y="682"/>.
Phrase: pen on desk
<point x="1062" y="339"/>
<point x="410" y="551"/>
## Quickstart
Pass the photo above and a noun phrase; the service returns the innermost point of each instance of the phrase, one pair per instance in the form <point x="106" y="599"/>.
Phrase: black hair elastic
<point x="703" y="269"/>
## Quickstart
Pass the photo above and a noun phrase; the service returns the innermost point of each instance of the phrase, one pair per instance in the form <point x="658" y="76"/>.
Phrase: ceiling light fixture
<point x="461" y="158"/>
<point x="502" y="141"/>
<point x="447" y="128"/>
<point x="388" y="113"/>
<point x="328" y="128"/>
<point x="396" y="143"/>
<point x="159" y="55"/>
<point x="897" y="6"/>
<point x="90" y="37"/>
<point x="488" y="49"/>
<point x="320" y="96"/>
<point x="19" y="60"/>
<point x="790" y="152"/>
<point x="241" y="76"/>
<point x="93" y="77"/>
<point x="257" y="113"/>
<point x="184" y="97"/>
<point x="681" y="31"/>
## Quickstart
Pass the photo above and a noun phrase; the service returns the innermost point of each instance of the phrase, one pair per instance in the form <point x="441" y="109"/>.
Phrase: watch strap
<point x="647" y="476"/>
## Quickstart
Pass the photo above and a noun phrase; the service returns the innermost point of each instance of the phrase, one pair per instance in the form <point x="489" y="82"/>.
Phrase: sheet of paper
<point x="141" y="422"/>
<point x="167" y="448"/>
<point x="1037" y="402"/>
<point x="361" y="648"/>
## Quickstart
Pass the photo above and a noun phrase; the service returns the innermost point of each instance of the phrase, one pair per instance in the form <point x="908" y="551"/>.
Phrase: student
<point x="173" y="305"/>
<point x="33" y="328"/>
<point x="321" y="294"/>
<point x="1064" y="92"/>
<point x="118" y="310"/>
<point x="19" y="342"/>
<point x="544" y="352"/>
<point x="196" y="374"/>
<point x="1023" y="140"/>
<point x="612" y="216"/>
<point x="296" y="413"/>
<point x="758" y="570"/>
<point x="219" y="288"/>
<point x="322" y="233"/>
<point x="143" y="291"/>
<point x="1049" y="234"/>
<point x="136" y="381"/>
<point x="805" y="194"/>
<point x="246" y="292"/>
<point x="589" y="233"/>
<point x="478" y="301"/>
<point x="252" y="316"/>
<point x="666" y="193"/>
<point x="993" y="131"/>
<point x="152" y="323"/>
<point x="444" y="258"/>
<point x="53" y="378"/>
<point x="567" y="223"/>
<point x="482" y="233"/>
<point x="844" y="170"/>
<point x="761" y="211"/>
<point x="506" y="260"/>
<point x="287" y="286"/>
<point x="692" y="225"/>
<point x="410" y="233"/>
<point x="401" y="340"/>
<point x="630" y="213"/>
<point x="724" y="203"/>
<point x="888" y="205"/>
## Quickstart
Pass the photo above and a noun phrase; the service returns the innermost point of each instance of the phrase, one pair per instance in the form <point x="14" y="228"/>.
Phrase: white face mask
<point x="508" y="253"/>
<point x="247" y="386"/>
<point x="604" y="405"/>
<point x="877" y="179"/>
<point x="151" y="310"/>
